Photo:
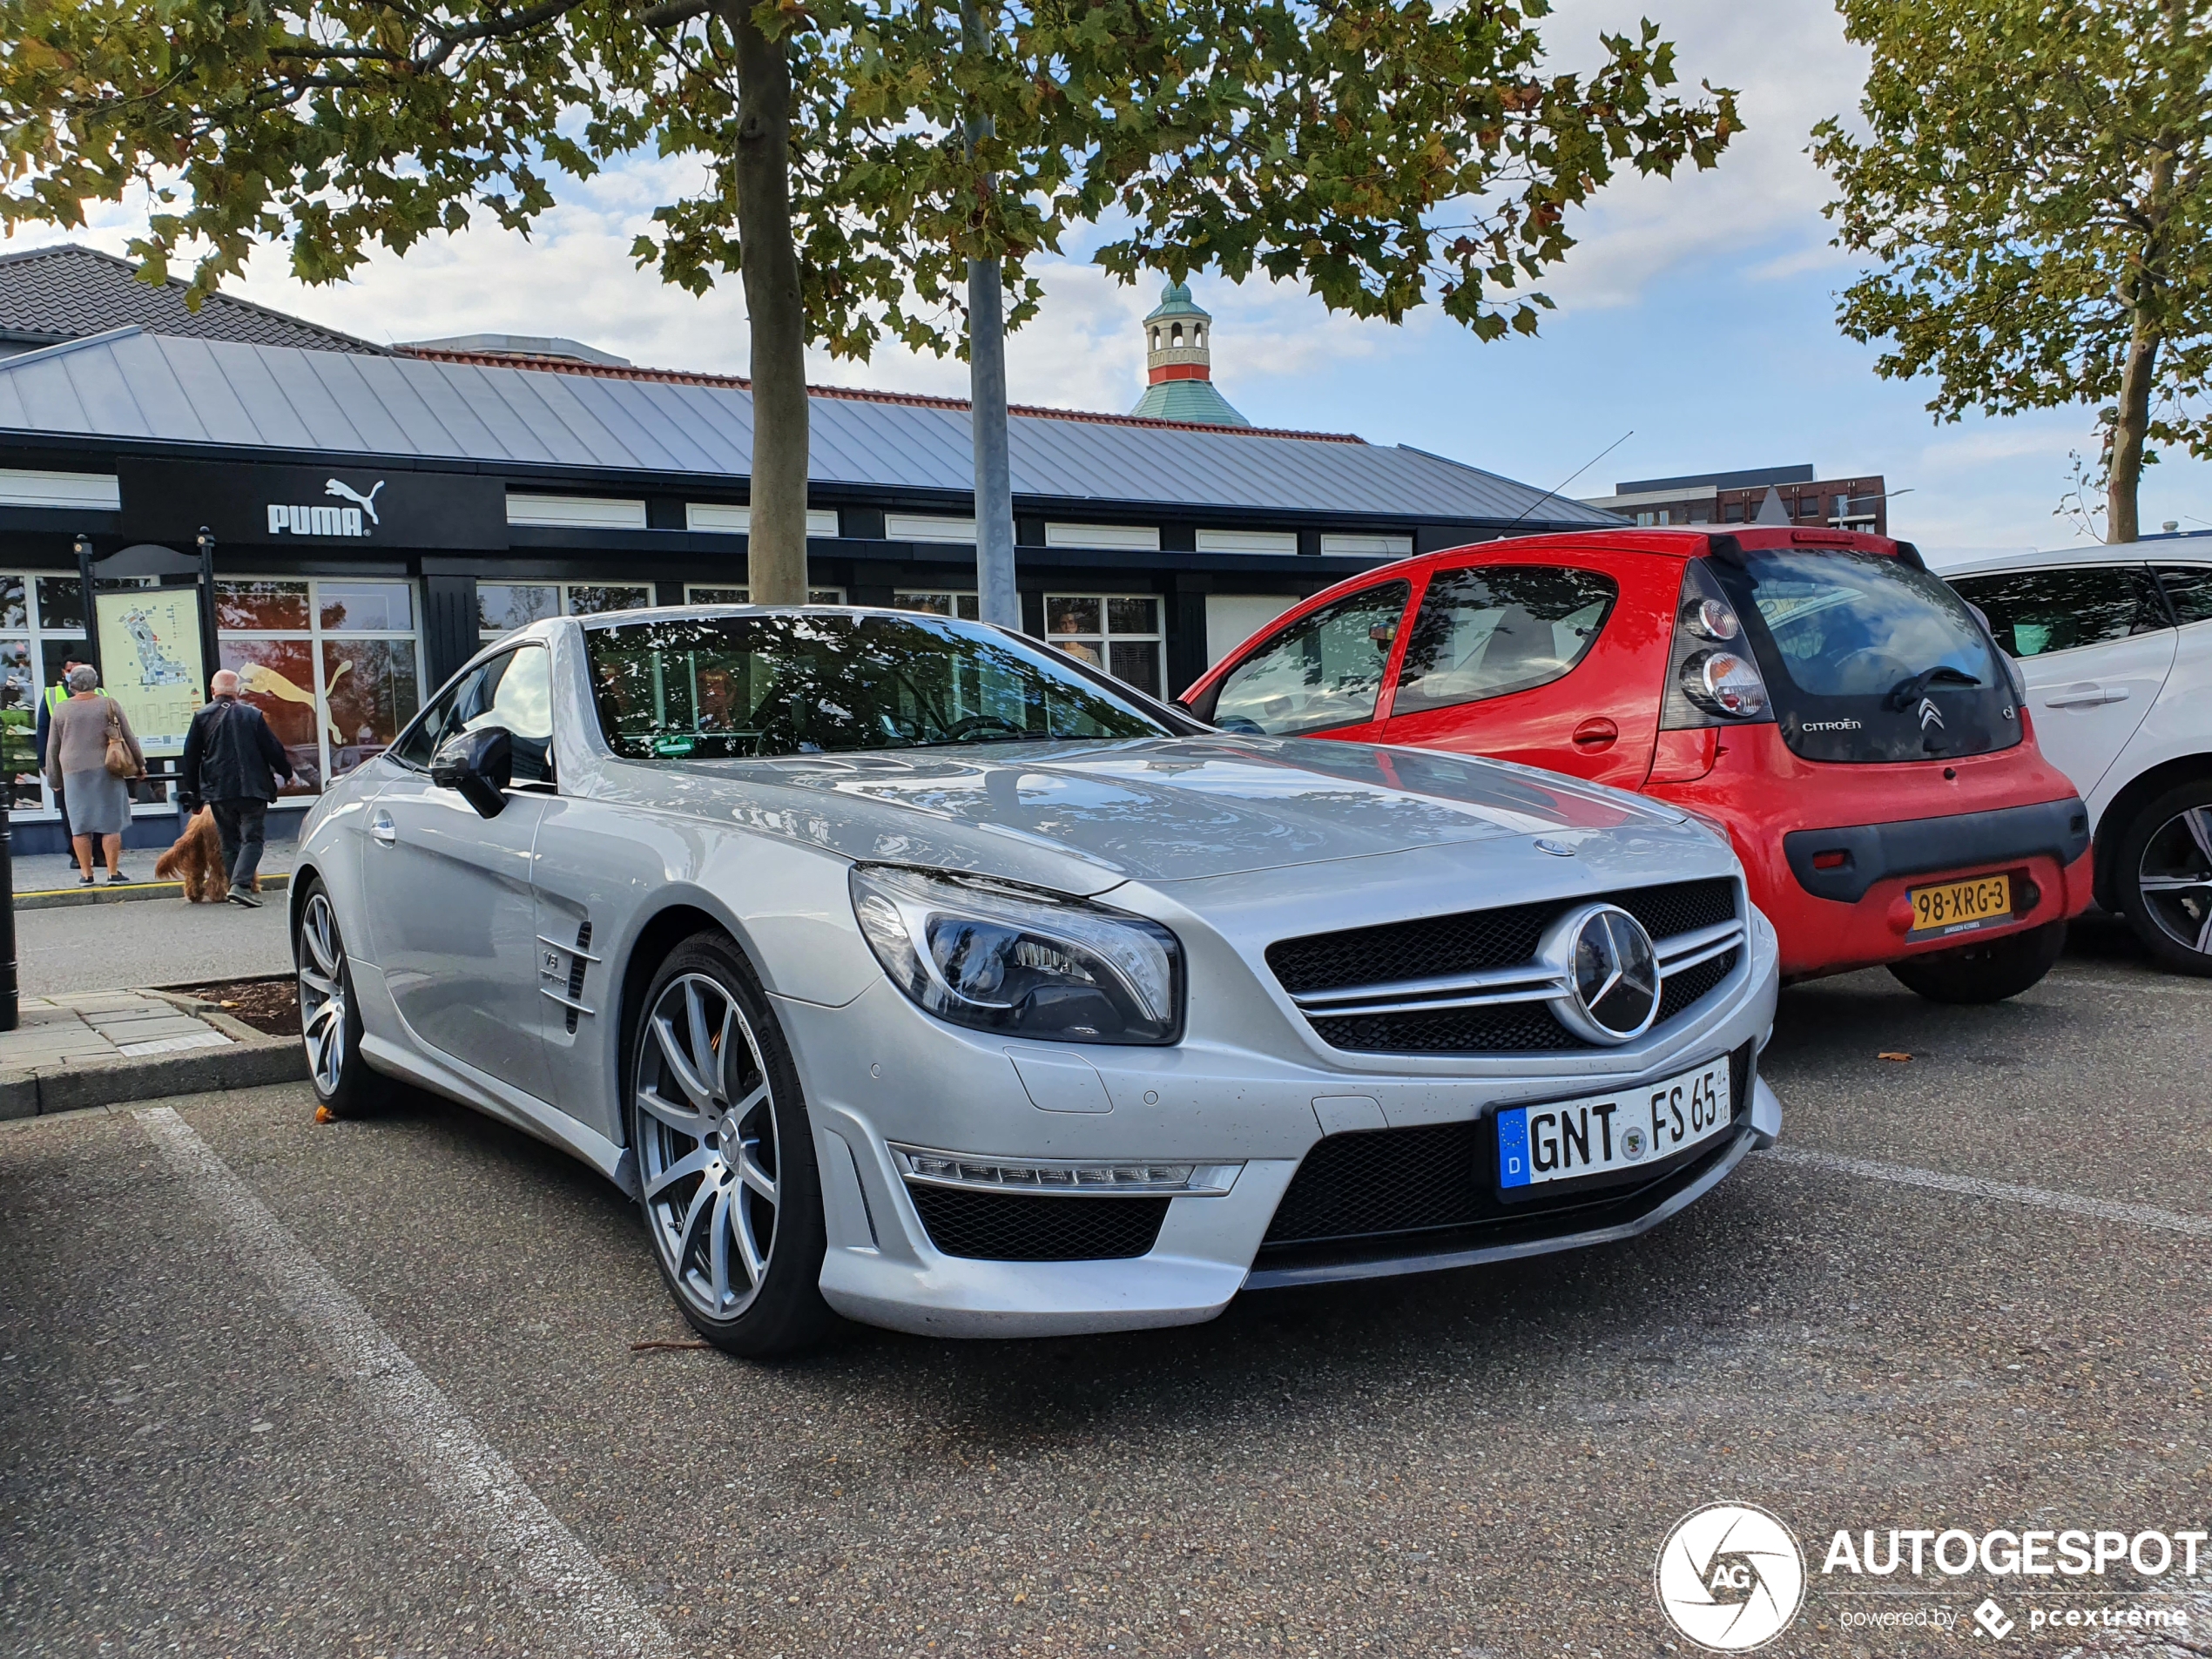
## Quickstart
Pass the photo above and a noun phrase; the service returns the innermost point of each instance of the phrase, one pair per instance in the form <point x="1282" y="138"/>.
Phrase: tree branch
<point x="672" y="13"/>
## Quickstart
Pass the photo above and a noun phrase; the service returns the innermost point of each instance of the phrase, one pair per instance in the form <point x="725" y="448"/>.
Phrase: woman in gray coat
<point x="99" y="802"/>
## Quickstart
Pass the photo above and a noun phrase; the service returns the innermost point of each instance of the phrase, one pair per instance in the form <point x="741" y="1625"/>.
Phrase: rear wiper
<point x="1917" y="684"/>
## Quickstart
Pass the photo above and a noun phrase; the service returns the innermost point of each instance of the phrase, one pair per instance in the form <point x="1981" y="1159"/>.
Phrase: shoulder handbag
<point x="118" y="762"/>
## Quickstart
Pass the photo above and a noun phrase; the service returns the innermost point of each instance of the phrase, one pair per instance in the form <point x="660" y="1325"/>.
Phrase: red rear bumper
<point x="1830" y="851"/>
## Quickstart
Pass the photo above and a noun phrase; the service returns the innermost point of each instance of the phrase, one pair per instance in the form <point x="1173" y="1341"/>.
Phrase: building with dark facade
<point x="1797" y="497"/>
<point x="371" y="515"/>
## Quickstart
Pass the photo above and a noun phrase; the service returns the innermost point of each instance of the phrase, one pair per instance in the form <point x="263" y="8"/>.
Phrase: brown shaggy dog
<point x="198" y="857"/>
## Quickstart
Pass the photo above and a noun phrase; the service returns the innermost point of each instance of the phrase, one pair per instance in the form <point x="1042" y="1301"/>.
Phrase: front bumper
<point x="878" y="1071"/>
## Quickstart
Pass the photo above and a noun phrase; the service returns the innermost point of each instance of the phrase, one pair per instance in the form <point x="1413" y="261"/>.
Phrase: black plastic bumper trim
<point x="1875" y="852"/>
<point x="1324" y="1267"/>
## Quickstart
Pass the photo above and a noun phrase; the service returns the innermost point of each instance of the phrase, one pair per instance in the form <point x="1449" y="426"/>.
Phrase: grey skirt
<point x="97" y="802"/>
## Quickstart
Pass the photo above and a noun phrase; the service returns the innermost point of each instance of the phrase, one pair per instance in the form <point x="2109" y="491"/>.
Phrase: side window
<point x="516" y="691"/>
<point x="2034" y="613"/>
<point x="439" y="721"/>
<point x="1323" y="671"/>
<point x="2189" y="587"/>
<point x="1486" y="631"/>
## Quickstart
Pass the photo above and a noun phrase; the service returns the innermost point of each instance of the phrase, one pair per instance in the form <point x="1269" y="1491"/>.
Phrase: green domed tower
<point x="1178" y="361"/>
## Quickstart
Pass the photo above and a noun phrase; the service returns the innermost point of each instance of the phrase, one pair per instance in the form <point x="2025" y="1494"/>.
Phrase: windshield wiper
<point x="1917" y="684"/>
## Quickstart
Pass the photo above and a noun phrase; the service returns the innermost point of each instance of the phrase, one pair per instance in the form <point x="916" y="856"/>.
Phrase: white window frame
<point x="1138" y="537"/>
<point x="315" y="635"/>
<point x="577" y="512"/>
<point x="1247" y="541"/>
<point x="1389" y="546"/>
<point x="96" y="492"/>
<point x="735" y="518"/>
<point x="1106" y="637"/>
<point x="564" y="590"/>
<point x="929" y="527"/>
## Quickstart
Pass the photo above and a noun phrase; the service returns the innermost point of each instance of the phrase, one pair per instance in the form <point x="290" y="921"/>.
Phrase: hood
<point x="1151" y="809"/>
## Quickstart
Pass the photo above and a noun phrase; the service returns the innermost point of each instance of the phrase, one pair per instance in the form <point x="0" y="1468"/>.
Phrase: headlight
<point x="1021" y="960"/>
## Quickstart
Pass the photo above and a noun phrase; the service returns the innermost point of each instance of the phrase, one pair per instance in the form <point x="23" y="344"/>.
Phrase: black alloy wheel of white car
<point x="330" y="1017"/>
<point x="724" y="1156"/>
<point x="2162" y="870"/>
<point x="1990" y="972"/>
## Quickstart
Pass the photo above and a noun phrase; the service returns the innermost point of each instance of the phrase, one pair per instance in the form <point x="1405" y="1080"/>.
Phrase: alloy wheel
<point x="707" y="1151"/>
<point x="322" y="992"/>
<point x="2175" y="878"/>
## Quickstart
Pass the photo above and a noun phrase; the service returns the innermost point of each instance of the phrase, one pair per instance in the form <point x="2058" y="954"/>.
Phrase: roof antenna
<point x="1570" y="477"/>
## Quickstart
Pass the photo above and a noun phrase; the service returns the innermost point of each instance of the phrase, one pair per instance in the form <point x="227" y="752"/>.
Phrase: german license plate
<point x="1566" y="1140"/>
<point x="1960" y="907"/>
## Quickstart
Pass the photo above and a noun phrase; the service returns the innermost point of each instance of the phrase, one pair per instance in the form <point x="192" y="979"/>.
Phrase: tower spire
<point x="1178" y="362"/>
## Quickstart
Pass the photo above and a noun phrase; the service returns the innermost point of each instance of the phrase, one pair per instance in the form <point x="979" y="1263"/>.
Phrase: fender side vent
<point x="576" y="971"/>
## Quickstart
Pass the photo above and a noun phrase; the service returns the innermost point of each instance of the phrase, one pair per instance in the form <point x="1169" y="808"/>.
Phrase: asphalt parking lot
<point x="267" y="1387"/>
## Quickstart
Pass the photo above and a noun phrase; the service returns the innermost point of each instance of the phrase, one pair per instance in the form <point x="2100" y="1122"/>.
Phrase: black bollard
<point x="11" y="1012"/>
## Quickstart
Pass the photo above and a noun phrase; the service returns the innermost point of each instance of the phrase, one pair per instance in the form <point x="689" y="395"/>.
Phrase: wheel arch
<point x="681" y="916"/>
<point x="303" y="876"/>
<point x="2138" y="793"/>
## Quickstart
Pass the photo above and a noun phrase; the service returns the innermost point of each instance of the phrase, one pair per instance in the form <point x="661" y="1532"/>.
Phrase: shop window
<point x="939" y="603"/>
<point x="502" y="607"/>
<point x="699" y="594"/>
<point x="592" y="601"/>
<point x="334" y="667"/>
<point x="1120" y="633"/>
<point x="41" y="627"/>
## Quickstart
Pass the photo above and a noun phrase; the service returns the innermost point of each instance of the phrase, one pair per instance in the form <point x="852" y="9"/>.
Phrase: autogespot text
<point x="2065" y="1553"/>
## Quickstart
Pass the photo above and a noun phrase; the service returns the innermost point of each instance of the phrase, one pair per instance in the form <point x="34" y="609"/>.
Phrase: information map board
<point x="151" y="661"/>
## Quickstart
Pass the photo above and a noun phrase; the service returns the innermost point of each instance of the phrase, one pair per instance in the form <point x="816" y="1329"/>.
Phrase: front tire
<point x="1985" y="973"/>
<point x="2164" y="871"/>
<point x="728" y="1188"/>
<point x="330" y="1014"/>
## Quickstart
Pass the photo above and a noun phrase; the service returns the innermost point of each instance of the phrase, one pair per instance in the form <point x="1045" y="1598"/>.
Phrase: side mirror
<point x="480" y="764"/>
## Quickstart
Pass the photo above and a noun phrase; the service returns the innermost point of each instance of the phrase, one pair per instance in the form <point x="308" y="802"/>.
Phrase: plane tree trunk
<point x="774" y="311"/>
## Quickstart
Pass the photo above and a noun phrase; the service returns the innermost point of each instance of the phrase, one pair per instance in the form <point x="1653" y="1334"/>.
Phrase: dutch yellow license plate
<point x="1959" y="907"/>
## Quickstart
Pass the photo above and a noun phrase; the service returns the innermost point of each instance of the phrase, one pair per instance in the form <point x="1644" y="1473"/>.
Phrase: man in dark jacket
<point x="234" y="764"/>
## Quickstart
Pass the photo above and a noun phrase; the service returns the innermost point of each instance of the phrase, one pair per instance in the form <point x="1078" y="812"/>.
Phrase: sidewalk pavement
<point x="48" y="880"/>
<point x="102" y="1047"/>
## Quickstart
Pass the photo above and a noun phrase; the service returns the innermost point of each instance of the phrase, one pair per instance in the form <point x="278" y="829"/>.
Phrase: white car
<point x="2114" y="644"/>
<point x="903" y="968"/>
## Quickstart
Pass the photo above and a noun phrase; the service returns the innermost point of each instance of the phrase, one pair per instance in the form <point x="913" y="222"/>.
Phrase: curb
<point x="253" y="1058"/>
<point x="64" y="898"/>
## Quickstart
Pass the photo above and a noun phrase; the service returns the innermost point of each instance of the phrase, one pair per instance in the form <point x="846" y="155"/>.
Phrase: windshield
<point x="814" y="683"/>
<point x="1867" y="658"/>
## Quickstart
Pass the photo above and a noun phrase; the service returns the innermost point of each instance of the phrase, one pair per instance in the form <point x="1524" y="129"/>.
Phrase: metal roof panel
<point x="279" y="397"/>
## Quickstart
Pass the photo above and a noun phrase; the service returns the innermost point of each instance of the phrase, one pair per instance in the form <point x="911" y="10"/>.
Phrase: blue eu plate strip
<point x="1513" y="1148"/>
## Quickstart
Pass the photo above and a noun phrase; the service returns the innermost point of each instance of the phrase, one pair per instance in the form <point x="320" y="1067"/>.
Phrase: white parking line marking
<point x="2136" y="1215"/>
<point x="566" y="1584"/>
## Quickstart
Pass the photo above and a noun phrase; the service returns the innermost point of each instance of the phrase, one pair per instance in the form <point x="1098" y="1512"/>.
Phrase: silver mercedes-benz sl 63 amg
<point x="903" y="969"/>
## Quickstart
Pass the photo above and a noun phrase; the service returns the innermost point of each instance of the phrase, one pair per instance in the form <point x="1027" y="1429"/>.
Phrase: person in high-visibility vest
<point x="47" y="703"/>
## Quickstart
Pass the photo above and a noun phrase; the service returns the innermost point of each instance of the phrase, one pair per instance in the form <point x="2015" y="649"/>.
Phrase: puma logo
<point x="366" y="503"/>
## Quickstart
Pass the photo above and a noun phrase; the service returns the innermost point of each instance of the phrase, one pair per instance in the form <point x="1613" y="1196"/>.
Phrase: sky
<point x="1696" y="315"/>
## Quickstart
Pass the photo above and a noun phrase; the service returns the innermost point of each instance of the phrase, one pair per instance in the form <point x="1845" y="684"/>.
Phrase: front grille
<point x="1025" y="1227"/>
<point x="1436" y="1177"/>
<point x="1474" y="940"/>
<point x="1679" y="991"/>
<point x="1477" y="941"/>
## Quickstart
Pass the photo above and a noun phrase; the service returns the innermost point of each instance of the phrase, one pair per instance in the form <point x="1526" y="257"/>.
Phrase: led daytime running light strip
<point x="1076" y="1178"/>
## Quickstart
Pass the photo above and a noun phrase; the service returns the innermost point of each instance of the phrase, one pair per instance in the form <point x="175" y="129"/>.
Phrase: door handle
<point x="1596" y="734"/>
<point x="383" y="829"/>
<point x="2085" y="697"/>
